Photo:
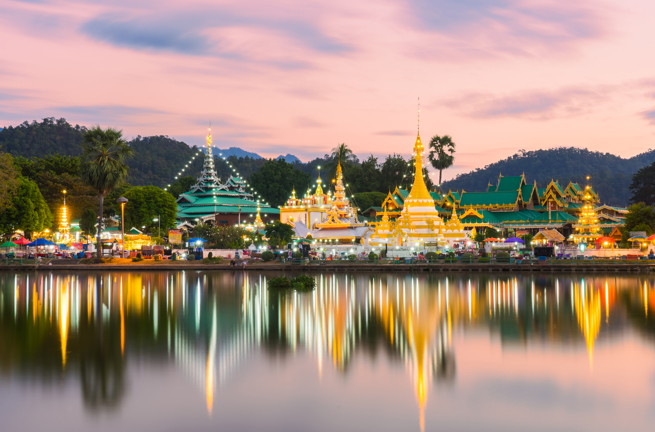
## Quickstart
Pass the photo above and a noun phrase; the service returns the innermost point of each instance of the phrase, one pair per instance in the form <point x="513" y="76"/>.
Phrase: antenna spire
<point x="418" y="114"/>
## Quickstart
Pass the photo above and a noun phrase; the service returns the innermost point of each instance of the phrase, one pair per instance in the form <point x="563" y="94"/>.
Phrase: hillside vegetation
<point x="156" y="161"/>
<point x="610" y="175"/>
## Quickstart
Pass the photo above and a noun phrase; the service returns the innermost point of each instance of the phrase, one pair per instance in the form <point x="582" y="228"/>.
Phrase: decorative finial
<point x="418" y="127"/>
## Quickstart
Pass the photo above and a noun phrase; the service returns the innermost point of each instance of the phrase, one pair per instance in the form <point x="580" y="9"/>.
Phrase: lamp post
<point x="122" y="201"/>
<point x="157" y="219"/>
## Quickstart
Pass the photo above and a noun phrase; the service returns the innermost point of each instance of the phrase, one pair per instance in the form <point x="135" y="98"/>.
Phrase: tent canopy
<point x="22" y="241"/>
<point x="8" y="245"/>
<point x="195" y="240"/>
<point x="549" y="235"/>
<point x="41" y="242"/>
<point x="514" y="240"/>
<point x="605" y="240"/>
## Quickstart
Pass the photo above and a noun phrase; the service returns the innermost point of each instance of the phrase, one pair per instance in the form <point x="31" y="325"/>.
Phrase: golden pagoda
<point x="64" y="227"/>
<point x="587" y="230"/>
<point x="419" y="222"/>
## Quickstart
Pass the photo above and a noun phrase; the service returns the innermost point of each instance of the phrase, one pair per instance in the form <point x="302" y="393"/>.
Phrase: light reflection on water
<point x="217" y="329"/>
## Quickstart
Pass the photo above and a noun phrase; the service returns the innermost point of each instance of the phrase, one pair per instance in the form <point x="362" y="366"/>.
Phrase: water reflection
<point x="92" y="327"/>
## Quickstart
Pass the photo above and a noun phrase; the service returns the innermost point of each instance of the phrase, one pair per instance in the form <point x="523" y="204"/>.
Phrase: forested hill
<point x="156" y="161"/>
<point x="611" y="175"/>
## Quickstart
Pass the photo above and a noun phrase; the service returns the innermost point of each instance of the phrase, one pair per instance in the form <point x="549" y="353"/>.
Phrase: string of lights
<point x="237" y="174"/>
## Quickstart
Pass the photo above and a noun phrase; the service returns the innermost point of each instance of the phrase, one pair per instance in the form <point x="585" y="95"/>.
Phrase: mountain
<point x="611" y="175"/>
<point x="289" y="158"/>
<point x="156" y="161"/>
<point x="236" y="151"/>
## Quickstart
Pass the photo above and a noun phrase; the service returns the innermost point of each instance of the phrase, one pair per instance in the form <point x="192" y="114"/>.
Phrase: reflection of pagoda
<point x="214" y="202"/>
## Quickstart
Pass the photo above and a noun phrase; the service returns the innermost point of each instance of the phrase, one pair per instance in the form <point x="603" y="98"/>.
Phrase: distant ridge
<point x="289" y="158"/>
<point x="237" y="152"/>
<point x="611" y="175"/>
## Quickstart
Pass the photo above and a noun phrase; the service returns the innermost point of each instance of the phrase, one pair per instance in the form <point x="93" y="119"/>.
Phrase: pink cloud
<point x="272" y="75"/>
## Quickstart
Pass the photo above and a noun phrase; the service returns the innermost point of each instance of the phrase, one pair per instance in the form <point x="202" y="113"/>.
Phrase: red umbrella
<point x="651" y="238"/>
<point x="605" y="240"/>
<point x="22" y="241"/>
<point x="492" y="239"/>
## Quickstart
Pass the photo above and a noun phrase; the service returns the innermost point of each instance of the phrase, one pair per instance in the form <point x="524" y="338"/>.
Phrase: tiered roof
<point x="210" y="196"/>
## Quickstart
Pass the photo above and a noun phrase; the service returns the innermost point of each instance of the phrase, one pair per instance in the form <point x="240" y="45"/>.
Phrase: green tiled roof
<point x="436" y="196"/>
<point x="187" y="197"/>
<point x="457" y="195"/>
<point x="488" y="198"/>
<point x="577" y="187"/>
<point x="541" y="192"/>
<point x="376" y="209"/>
<point x="491" y="188"/>
<point x="205" y="210"/>
<point x="403" y="193"/>
<point x="521" y="217"/>
<point x="442" y="210"/>
<point x="508" y="184"/>
<point x="397" y="200"/>
<point x="220" y="201"/>
<point x="526" y="192"/>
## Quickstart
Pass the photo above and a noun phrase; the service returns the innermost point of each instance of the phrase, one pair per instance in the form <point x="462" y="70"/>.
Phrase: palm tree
<point x="104" y="153"/>
<point x="441" y="156"/>
<point x="341" y="154"/>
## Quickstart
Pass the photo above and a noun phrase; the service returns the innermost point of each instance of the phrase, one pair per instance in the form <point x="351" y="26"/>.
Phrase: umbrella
<point x="605" y="240"/>
<point x="651" y="238"/>
<point x="196" y="240"/>
<point x="8" y="245"/>
<point x="637" y="238"/>
<point x="514" y="240"/>
<point x="41" y="242"/>
<point x="491" y="239"/>
<point x="22" y="241"/>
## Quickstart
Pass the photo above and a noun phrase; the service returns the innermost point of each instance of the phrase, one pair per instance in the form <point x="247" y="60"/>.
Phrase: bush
<point x="191" y="257"/>
<point x="484" y="254"/>
<point x="137" y="259"/>
<point x="297" y="255"/>
<point x="174" y="257"/>
<point x="268" y="256"/>
<point x="431" y="256"/>
<point x="157" y="257"/>
<point x="210" y="255"/>
<point x="503" y="257"/>
<point x="352" y="257"/>
<point x="303" y="283"/>
<point x="468" y="257"/>
<point x="279" y="282"/>
<point x="211" y="260"/>
<point x="372" y="256"/>
<point x="138" y="255"/>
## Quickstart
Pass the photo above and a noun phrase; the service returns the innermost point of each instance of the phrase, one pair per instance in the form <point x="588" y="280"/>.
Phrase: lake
<point x="201" y="351"/>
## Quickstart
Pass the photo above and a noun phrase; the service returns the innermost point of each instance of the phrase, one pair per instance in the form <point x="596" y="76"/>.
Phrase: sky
<point x="300" y="77"/>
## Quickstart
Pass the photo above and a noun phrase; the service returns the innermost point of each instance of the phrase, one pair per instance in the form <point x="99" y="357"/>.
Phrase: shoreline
<point x="583" y="267"/>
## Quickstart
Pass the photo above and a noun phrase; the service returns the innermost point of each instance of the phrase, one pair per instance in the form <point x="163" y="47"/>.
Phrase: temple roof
<point x="507" y="184"/>
<point x="488" y="199"/>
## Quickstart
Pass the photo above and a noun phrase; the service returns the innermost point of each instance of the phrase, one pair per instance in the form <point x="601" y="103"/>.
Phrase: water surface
<point x="216" y="351"/>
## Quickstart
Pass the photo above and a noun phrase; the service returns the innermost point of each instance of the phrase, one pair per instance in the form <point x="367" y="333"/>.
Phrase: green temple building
<point x="218" y="203"/>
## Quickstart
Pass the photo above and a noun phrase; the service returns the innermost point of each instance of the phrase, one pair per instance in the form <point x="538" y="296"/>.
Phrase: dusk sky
<point x="299" y="77"/>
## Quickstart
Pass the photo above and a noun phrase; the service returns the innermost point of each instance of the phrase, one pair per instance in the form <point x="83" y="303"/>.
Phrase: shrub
<point x="138" y="255"/>
<point x="174" y="257"/>
<point x="303" y="283"/>
<point x="352" y="257"/>
<point x="484" y="254"/>
<point x="468" y="257"/>
<point x="137" y="259"/>
<point x="372" y="256"/>
<point x="157" y="257"/>
<point x="279" y="282"/>
<point x="191" y="257"/>
<point x="268" y="256"/>
<point x="431" y="256"/>
<point x="216" y="260"/>
<point x="210" y="255"/>
<point x="297" y="255"/>
<point x="503" y="257"/>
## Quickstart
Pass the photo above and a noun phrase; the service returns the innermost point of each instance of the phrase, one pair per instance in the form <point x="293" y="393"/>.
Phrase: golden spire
<point x="319" y="188"/>
<point x="258" y="220"/>
<point x="419" y="189"/>
<point x="209" y="138"/>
